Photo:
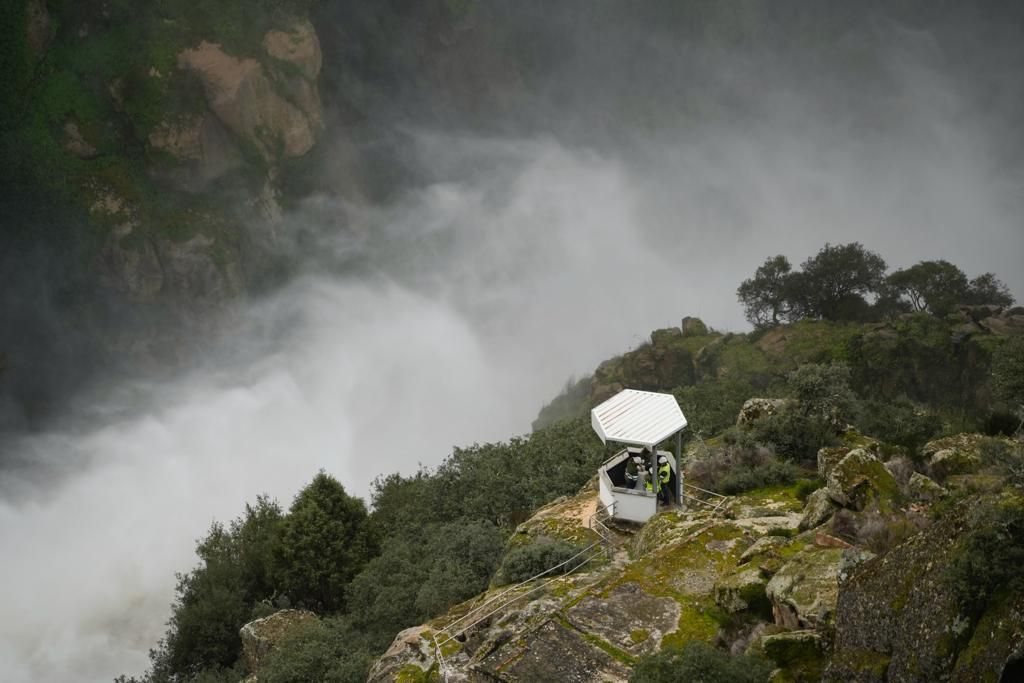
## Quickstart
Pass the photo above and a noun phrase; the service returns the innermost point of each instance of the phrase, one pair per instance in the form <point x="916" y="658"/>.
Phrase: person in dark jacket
<point x="664" y="476"/>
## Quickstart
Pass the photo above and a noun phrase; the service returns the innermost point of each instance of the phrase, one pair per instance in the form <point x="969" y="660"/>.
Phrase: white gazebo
<point x="640" y="420"/>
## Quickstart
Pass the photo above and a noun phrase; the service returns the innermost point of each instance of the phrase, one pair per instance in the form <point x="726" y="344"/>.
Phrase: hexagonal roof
<point x="639" y="418"/>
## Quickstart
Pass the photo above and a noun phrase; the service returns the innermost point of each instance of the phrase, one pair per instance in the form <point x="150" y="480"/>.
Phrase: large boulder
<point x="803" y="592"/>
<point x="261" y="636"/>
<point x="693" y="327"/>
<point x="298" y="52"/>
<point x="766" y="546"/>
<point x="817" y="510"/>
<point x="202" y="146"/>
<point x="923" y="489"/>
<point x="829" y="457"/>
<point x="858" y="477"/>
<point x="957" y="454"/>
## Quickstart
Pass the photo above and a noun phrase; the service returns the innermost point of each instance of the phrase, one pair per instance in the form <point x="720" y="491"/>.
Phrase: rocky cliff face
<point x="682" y="576"/>
<point x="167" y="126"/>
<point x="898" y="618"/>
<point x="817" y="594"/>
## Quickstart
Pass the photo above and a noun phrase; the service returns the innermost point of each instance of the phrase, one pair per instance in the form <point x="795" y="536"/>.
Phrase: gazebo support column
<point x="679" y="469"/>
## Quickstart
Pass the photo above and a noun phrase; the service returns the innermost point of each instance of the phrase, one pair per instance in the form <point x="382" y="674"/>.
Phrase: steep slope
<point x="668" y="582"/>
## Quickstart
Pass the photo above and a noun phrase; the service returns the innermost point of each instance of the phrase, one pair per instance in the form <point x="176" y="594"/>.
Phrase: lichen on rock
<point x="742" y="590"/>
<point x="804" y="590"/>
<point x="817" y="510"/>
<point x="859" y="476"/>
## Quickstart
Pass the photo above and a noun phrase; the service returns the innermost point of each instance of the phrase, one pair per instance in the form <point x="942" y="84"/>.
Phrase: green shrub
<point x="711" y="407"/>
<point x="740" y="465"/>
<point x="899" y="421"/>
<point x="805" y="487"/>
<point x="1006" y="459"/>
<point x="422" y="571"/>
<point x="698" y="661"/>
<point x="328" y="650"/>
<point x="499" y="482"/>
<point x="988" y="561"/>
<point x="527" y="561"/>
<point x="795" y="434"/>
<point x="1008" y="374"/>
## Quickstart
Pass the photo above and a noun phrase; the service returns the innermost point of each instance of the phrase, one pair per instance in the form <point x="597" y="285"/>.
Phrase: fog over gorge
<point x="521" y="244"/>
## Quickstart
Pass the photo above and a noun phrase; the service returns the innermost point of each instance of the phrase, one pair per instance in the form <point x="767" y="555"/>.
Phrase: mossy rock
<point x="805" y="589"/>
<point x="817" y="510"/>
<point x="742" y="590"/>
<point x="261" y="636"/>
<point x="693" y="327"/>
<point x="764" y="547"/>
<point x="858" y="477"/>
<point x="863" y="666"/>
<point x="958" y="454"/>
<point x="998" y="640"/>
<point x="801" y="655"/>
<point x="924" y="489"/>
<point x="829" y="457"/>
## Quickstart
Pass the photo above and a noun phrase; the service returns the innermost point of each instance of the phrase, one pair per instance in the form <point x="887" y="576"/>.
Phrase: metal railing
<point x="498" y="602"/>
<point x="717" y="500"/>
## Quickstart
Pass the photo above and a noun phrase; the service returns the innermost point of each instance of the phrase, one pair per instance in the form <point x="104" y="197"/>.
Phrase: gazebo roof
<point x="639" y="418"/>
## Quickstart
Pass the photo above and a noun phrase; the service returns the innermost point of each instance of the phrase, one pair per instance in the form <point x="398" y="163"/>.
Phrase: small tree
<point x="833" y="283"/>
<point x="325" y="541"/>
<point x="766" y="297"/>
<point x="932" y="286"/>
<point x="988" y="289"/>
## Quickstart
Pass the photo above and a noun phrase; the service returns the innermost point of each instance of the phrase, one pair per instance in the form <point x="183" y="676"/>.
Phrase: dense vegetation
<point x="432" y="540"/>
<point x="698" y="661"/>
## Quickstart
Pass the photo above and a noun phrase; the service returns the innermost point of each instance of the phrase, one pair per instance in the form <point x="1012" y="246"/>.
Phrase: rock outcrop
<point x="671" y="586"/>
<point x="858" y="477"/>
<point x="693" y="327"/>
<point x="741" y="590"/>
<point x="277" y="115"/>
<point x="803" y="592"/>
<point x="897" y="617"/>
<point x="818" y="509"/>
<point x="923" y="489"/>
<point x="957" y="454"/>
<point x="755" y="409"/>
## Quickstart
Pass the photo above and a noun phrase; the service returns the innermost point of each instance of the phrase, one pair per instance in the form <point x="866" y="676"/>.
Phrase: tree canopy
<point x="849" y="282"/>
